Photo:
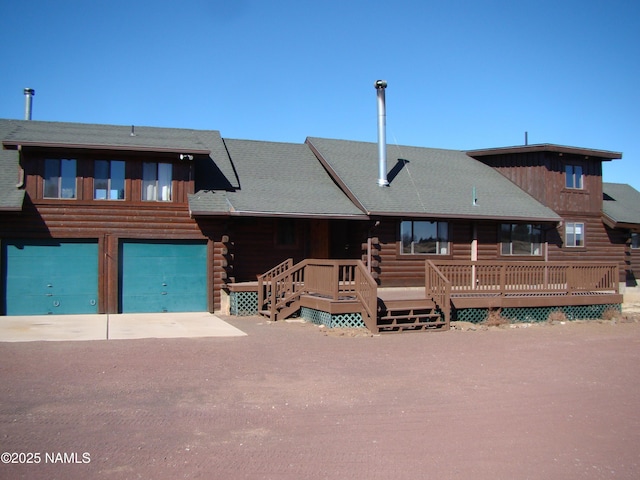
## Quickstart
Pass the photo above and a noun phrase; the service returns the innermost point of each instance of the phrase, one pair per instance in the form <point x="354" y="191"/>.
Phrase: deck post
<point x="570" y="280"/>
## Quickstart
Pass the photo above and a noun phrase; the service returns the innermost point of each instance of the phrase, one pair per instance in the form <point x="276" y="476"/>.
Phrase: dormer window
<point x="59" y="178"/>
<point x="573" y="176"/>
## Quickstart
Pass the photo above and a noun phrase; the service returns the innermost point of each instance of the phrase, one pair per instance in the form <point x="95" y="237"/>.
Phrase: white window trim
<point x="574" y="227"/>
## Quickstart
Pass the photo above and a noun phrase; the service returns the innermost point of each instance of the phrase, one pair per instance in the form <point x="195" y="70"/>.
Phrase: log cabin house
<point x="115" y="219"/>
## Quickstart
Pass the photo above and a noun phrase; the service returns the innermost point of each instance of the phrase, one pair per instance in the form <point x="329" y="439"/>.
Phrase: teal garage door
<point x="50" y="277"/>
<point x="163" y="276"/>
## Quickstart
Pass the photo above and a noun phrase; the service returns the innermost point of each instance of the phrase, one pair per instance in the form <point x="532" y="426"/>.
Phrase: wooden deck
<point x="345" y="286"/>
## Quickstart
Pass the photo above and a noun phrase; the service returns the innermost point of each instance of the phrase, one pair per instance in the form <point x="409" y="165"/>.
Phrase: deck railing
<point x="438" y="288"/>
<point x="333" y="279"/>
<point x="265" y="279"/>
<point x="502" y="278"/>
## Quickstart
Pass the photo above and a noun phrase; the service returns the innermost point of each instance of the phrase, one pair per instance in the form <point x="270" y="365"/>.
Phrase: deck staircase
<point x="409" y="314"/>
<point x="341" y="286"/>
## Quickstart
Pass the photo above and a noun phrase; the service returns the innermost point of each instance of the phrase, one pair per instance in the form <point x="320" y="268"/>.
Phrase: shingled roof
<point x="276" y="179"/>
<point x="203" y="144"/>
<point x="621" y="206"/>
<point x="11" y="195"/>
<point x="426" y="182"/>
<point x="105" y="137"/>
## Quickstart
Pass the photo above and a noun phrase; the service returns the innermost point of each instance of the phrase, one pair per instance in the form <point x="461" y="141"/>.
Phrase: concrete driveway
<point x="114" y="327"/>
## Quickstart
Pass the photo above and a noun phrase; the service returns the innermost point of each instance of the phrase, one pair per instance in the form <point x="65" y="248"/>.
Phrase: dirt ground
<point x="295" y="401"/>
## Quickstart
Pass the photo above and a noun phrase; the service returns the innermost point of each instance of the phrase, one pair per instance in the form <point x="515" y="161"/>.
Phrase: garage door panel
<point x="50" y="277"/>
<point x="163" y="276"/>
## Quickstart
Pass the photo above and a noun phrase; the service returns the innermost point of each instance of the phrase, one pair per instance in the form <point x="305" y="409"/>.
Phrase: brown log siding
<point x="542" y="176"/>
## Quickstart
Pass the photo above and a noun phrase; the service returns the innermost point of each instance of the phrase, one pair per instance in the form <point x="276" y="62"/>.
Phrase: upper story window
<point x="635" y="240"/>
<point x="574" y="234"/>
<point x="520" y="239"/>
<point x="423" y="237"/>
<point x="573" y="176"/>
<point x="59" y="178"/>
<point x="108" y="183"/>
<point x="156" y="181"/>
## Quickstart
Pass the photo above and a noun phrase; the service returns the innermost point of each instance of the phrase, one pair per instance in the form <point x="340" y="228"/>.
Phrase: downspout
<point x="474" y="253"/>
<point x="20" y="183"/>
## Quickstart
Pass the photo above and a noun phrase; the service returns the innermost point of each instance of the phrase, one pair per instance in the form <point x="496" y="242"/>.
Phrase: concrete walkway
<point x="114" y="327"/>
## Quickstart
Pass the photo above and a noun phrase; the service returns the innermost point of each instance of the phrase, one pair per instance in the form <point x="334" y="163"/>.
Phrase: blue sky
<point x="461" y="74"/>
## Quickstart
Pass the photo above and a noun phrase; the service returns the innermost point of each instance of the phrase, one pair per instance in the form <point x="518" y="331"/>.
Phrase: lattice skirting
<point x="536" y="314"/>
<point x="243" y="303"/>
<point x="344" y="320"/>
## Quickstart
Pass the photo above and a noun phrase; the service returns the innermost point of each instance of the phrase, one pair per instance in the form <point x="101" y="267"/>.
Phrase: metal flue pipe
<point x="28" y="96"/>
<point x="382" y="134"/>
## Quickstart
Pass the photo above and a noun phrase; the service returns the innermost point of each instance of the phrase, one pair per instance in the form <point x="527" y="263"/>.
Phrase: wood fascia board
<point x="546" y="147"/>
<point x="465" y="217"/>
<point x="337" y="216"/>
<point x="16" y="144"/>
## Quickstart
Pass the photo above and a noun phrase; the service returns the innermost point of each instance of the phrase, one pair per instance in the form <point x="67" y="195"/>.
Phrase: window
<point x="573" y="176"/>
<point x="421" y="237"/>
<point x="108" y="183"/>
<point x="635" y="240"/>
<point x="59" y="178"/>
<point x="574" y="234"/>
<point x="520" y="239"/>
<point x="156" y="181"/>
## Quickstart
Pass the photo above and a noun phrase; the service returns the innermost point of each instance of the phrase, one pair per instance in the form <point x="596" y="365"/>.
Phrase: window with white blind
<point x="156" y="181"/>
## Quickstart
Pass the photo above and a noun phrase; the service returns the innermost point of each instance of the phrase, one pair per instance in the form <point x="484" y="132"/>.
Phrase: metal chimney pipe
<point x="382" y="134"/>
<point x="28" y="96"/>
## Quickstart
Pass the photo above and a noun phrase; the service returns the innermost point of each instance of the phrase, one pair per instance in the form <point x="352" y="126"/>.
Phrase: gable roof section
<point x="426" y="182"/>
<point x="276" y="179"/>
<point x="11" y="196"/>
<point x="621" y="206"/>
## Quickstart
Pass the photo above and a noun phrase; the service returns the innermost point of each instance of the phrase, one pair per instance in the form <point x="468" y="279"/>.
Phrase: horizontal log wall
<point x="255" y="249"/>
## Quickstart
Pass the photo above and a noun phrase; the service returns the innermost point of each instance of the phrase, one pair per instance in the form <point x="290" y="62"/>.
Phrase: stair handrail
<point x="285" y="287"/>
<point x="438" y="289"/>
<point x="366" y="289"/>
<point x="265" y="280"/>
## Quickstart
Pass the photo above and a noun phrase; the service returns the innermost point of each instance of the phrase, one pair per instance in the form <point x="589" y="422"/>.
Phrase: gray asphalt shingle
<point x="283" y="178"/>
<point x="427" y="182"/>
<point x="11" y="196"/>
<point x="621" y="203"/>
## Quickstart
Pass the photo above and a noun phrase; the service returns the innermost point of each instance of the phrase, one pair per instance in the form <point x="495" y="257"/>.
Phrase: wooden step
<point x="416" y="316"/>
<point x="415" y="326"/>
<point x="407" y="304"/>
